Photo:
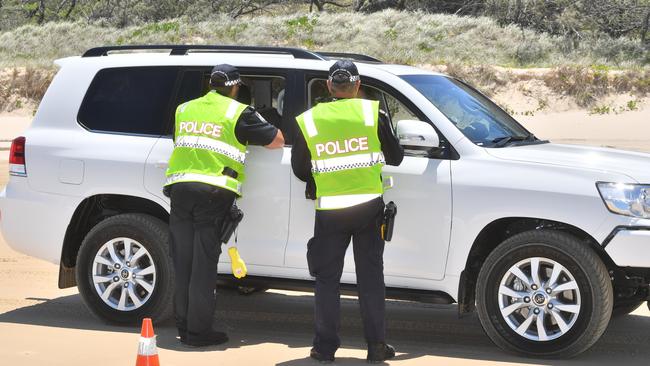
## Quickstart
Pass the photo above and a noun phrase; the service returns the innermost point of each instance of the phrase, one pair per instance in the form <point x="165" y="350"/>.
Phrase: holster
<point x="389" y="221"/>
<point x="230" y="223"/>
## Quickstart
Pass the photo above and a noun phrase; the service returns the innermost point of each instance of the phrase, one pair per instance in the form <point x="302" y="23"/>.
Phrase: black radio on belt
<point x="230" y="223"/>
<point x="389" y="221"/>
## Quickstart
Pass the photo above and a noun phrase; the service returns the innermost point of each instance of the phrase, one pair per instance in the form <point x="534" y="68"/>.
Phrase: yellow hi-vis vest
<point x="205" y="143"/>
<point x="342" y="137"/>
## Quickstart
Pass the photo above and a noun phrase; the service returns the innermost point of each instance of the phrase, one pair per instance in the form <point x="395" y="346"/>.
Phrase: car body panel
<point x="632" y="164"/>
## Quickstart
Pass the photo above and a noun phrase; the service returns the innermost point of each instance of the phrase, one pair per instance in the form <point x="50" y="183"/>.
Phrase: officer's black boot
<point x="379" y="352"/>
<point x="322" y="358"/>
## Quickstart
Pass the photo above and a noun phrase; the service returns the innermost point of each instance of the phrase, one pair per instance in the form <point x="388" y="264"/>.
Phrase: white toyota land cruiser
<point x="546" y="241"/>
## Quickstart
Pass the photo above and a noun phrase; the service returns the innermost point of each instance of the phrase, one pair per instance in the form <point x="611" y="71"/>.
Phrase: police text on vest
<point x="341" y="147"/>
<point x="204" y="128"/>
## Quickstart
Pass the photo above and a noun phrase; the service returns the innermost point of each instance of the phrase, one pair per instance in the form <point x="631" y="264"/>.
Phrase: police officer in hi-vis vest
<point x="205" y="174"/>
<point x="340" y="153"/>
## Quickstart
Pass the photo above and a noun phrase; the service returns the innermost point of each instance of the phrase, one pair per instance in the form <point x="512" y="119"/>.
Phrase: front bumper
<point x="629" y="246"/>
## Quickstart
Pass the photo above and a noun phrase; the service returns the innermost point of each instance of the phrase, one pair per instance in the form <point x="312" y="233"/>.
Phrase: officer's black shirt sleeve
<point x="393" y="151"/>
<point x="253" y="129"/>
<point x="301" y="157"/>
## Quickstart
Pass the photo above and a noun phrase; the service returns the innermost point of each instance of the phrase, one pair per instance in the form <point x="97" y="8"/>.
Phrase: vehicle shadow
<point x="417" y="330"/>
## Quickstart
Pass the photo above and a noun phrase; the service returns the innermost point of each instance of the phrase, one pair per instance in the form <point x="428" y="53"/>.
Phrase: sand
<point x="42" y="325"/>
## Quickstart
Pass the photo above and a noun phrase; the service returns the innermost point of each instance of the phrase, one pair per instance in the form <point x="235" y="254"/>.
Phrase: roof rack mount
<point x="347" y="56"/>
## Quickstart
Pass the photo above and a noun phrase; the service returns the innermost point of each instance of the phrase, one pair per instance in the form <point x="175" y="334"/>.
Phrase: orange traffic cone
<point x="147" y="352"/>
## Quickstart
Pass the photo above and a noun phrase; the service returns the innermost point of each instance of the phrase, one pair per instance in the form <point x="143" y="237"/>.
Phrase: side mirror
<point x="417" y="133"/>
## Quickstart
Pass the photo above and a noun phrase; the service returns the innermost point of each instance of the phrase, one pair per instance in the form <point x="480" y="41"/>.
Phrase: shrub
<point x="19" y="86"/>
<point x="393" y="36"/>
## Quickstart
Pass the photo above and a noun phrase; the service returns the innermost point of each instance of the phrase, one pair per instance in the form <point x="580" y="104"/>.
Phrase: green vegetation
<point x="20" y="85"/>
<point x="389" y="35"/>
<point x="603" y="109"/>
<point x="631" y="105"/>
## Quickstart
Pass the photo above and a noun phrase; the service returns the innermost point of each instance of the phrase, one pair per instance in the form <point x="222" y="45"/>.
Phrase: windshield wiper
<point x="505" y="140"/>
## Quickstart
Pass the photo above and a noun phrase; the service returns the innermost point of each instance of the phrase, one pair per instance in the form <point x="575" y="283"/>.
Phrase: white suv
<point x="546" y="241"/>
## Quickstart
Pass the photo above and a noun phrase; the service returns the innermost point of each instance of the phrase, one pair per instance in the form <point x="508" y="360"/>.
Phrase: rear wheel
<point x="124" y="271"/>
<point x="544" y="294"/>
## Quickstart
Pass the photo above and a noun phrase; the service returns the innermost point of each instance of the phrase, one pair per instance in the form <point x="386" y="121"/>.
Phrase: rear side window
<point x="134" y="100"/>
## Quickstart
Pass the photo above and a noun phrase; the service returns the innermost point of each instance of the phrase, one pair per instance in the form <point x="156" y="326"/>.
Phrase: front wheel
<point x="124" y="272"/>
<point x="544" y="294"/>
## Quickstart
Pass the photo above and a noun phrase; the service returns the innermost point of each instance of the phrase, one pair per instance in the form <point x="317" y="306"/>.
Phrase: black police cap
<point x="344" y="71"/>
<point x="225" y="75"/>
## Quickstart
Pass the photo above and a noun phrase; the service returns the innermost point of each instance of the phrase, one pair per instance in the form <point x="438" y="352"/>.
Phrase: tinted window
<point x="129" y="100"/>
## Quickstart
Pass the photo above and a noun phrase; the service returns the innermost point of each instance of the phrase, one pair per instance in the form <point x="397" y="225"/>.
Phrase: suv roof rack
<point x="348" y="56"/>
<point x="179" y="50"/>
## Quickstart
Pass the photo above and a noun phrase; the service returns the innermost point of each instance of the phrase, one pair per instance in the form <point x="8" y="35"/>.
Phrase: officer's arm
<point x="300" y="158"/>
<point x="393" y="151"/>
<point x="278" y="141"/>
<point x="253" y="129"/>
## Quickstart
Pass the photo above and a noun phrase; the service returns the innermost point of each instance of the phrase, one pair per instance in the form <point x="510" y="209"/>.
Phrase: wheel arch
<point x="501" y="229"/>
<point x="89" y="213"/>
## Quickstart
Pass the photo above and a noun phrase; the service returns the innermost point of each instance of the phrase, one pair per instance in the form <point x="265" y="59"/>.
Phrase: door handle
<point x="162" y="164"/>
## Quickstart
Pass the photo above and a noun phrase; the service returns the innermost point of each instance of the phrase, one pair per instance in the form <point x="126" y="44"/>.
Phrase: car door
<point x="422" y="192"/>
<point x="262" y="235"/>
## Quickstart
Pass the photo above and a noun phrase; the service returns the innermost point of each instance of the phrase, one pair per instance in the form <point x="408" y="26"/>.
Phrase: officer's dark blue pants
<point x="197" y="210"/>
<point x="325" y="255"/>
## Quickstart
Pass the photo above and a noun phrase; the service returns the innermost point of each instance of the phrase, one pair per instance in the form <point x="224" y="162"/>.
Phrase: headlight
<point x="626" y="199"/>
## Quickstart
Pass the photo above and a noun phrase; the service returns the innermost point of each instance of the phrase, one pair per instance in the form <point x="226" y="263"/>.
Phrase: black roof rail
<point x="184" y="49"/>
<point x="348" y="56"/>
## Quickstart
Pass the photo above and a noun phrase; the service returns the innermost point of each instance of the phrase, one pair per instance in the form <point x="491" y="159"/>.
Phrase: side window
<point x="193" y="85"/>
<point x="264" y="92"/>
<point x="134" y="100"/>
<point x="396" y="110"/>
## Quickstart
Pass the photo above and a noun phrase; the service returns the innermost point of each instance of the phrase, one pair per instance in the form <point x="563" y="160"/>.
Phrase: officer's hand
<point x="238" y="266"/>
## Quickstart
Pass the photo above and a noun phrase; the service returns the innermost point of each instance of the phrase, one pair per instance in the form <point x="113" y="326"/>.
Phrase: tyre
<point x="124" y="271"/>
<point x="544" y="293"/>
<point x="624" y="308"/>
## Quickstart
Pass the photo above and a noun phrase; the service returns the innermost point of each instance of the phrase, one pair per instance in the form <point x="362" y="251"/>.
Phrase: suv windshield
<point x="477" y="117"/>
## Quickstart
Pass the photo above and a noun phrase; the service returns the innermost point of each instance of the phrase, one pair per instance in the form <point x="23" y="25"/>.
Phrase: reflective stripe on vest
<point x="347" y="162"/>
<point x="221" y="181"/>
<point x="232" y="109"/>
<point x="309" y="124"/>
<point x="336" y="202"/>
<point x="368" y="115"/>
<point x="206" y="143"/>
